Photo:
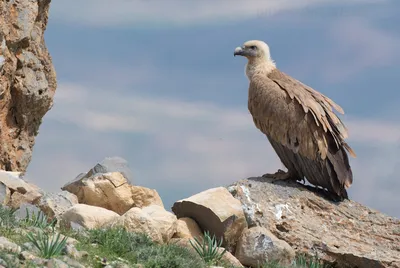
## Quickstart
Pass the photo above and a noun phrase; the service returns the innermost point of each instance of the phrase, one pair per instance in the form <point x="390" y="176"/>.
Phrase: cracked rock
<point x="112" y="191"/>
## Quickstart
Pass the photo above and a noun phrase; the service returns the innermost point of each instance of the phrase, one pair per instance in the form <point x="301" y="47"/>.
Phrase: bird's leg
<point x="280" y="175"/>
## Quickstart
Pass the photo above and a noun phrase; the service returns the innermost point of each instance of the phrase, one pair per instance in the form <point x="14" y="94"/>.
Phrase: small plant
<point x="39" y="220"/>
<point x="303" y="261"/>
<point x="48" y="245"/>
<point x="7" y="217"/>
<point x="208" y="250"/>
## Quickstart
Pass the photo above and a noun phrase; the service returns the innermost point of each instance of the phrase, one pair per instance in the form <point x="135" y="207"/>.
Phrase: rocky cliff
<point x="27" y="79"/>
<point x="257" y="220"/>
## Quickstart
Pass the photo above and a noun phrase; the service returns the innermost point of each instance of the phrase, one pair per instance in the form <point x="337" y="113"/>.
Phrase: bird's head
<point x="253" y="49"/>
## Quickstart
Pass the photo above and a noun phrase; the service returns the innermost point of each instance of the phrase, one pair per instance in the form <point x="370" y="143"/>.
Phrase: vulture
<point x="299" y="122"/>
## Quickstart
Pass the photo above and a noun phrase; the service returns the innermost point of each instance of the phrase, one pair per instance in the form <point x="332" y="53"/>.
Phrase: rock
<point x="87" y="216"/>
<point x="257" y="245"/>
<point x="27" y="79"/>
<point x="137" y="221"/>
<point x="346" y="233"/>
<point x="229" y="258"/>
<point x="166" y="221"/>
<point x="187" y="228"/>
<point x="18" y="199"/>
<point x="112" y="191"/>
<point x="4" y="194"/>
<point x="26" y="255"/>
<point x="54" y="204"/>
<point x="182" y="242"/>
<point x="71" y="262"/>
<point x="7" y="245"/>
<point x="56" y="263"/>
<point x="21" y="192"/>
<point x="112" y="164"/>
<point x="217" y="211"/>
<point x="26" y="209"/>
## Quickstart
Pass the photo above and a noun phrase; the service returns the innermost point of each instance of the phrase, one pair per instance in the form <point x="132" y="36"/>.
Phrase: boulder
<point x="346" y="233"/>
<point x="55" y="204"/>
<point x="87" y="216"/>
<point x="165" y="221"/>
<point x="18" y="191"/>
<point x="27" y="79"/>
<point x="137" y="221"/>
<point x="112" y="191"/>
<point x="112" y="164"/>
<point x="187" y="228"/>
<point x="17" y="199"/>
<point x="217" y="211"/>
<point x="257" y="245"/>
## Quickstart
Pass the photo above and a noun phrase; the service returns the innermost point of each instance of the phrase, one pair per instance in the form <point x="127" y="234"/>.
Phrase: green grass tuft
<point x="39" y="220"/>
<point x="208" y="250"/>
<point x="49" y="245"/>
<point x="108" y="245"/>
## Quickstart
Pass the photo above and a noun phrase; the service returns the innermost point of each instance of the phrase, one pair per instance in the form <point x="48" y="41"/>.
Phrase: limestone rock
<point x="112" y="164"/>
<point x="217" y="211"/>
<point x="345" y="233"/>
<point x="8" y="246"/>
<point x="27" y="79"/>
<point x="187" y="228"/>
<point x="257" y="245"/>
<point x="166" y="222"/>
<point x="25" y="209"/>
<point x="87" y="216"/>
<point x="19" y="190"/>
<point x="18" y="199"/>
<point x="229" y="258"/>
<point x="54" y="204"/>
<point x="137" y="221"/>
<point x="111" y="191"/>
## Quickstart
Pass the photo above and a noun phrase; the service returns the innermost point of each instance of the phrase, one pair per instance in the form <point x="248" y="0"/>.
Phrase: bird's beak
<point x="239" y="51"/>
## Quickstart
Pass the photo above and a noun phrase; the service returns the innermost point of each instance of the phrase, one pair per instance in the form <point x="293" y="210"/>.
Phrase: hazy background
<point x="156" y="83"/>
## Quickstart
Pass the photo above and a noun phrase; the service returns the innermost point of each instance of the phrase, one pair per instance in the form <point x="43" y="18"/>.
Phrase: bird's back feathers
<point x="302" y="128"/>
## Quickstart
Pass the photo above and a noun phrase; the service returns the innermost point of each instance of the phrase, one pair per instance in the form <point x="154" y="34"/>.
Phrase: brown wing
<point x="317" y="104"/>
<point x="301" y="126"/>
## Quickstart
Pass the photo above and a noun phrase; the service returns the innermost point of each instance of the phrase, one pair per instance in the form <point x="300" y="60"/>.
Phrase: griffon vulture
<point x="299" y="123"/>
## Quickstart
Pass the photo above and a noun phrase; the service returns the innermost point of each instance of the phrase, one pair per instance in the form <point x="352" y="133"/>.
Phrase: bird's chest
<point x="265" y="105"/>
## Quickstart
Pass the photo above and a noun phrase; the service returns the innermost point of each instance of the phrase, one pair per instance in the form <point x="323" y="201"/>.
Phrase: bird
<point x="300" y="124"/>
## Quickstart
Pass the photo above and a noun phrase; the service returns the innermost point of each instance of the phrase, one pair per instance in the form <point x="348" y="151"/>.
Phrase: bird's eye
<point x="253" y="47"/>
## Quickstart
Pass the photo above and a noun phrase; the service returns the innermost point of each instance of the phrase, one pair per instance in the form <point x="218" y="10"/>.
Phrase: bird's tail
<point x="340" y="173"/>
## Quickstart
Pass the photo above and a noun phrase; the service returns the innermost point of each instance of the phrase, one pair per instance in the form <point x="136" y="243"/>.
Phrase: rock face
<point x="217" y="211"/>
<point x="112" y="191"/>
<point x="347" y="233"/>
<point x="27" y="79"/>
<point x="257" y="245"/>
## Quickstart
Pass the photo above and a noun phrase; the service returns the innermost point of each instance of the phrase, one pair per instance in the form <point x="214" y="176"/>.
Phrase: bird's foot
<point x="279" y="175"/>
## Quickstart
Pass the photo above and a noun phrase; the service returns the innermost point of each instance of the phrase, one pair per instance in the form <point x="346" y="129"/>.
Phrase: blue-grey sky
<point x="156" y="83"/>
